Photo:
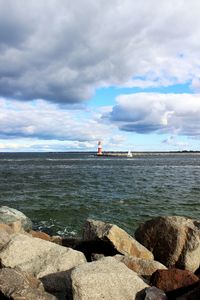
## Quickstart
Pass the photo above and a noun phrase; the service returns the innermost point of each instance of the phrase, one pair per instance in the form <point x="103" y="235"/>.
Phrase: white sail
<point x="129" y="154"/>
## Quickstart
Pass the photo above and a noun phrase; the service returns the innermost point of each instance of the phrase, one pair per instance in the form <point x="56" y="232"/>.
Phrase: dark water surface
<point x="58" y="191"/>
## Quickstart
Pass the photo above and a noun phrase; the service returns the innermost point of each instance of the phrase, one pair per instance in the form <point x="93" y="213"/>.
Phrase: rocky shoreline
<point x="160" y="261"/>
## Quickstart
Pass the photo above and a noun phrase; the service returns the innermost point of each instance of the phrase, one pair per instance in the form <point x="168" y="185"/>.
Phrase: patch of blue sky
<point x="156" y="142"/>
<point x="107" y="95"/>
<point x="172" y="89"/>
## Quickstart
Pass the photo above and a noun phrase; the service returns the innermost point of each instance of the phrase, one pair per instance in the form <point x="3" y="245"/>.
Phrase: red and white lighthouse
<point x="99" y="151"/>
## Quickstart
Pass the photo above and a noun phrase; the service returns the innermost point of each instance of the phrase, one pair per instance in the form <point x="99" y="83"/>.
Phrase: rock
<point x="18" y="285"/>
<point x="9" y="215"/>
<point x="172" y="279"/>
<point x="143" y="267"/>
<point x="4" y="239"/>
<point x="174" y="241"/>
<point x="97" y="256"/>
<point x="40" y="235"/>
<point x="14" y="227"/>
<point x="56" y="239"/>
<point x="39" y="257"/>
<point x="5" y="235"/>
<point x="106" y="279"/>
<point x="59" y="284"/>
<point x="117" y="237"/>
<point x="6" y="228"/>
<point x="153" y="293"/>
<point x="17" y="227"/>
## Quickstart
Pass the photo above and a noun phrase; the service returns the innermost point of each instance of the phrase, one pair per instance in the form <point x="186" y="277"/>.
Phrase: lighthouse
<point x="99" y="151"/>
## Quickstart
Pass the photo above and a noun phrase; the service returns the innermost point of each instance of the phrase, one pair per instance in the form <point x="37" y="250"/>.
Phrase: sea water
<point x="59" y="191"/>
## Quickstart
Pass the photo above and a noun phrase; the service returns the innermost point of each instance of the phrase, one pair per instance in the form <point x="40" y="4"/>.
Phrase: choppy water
<point x="58" y="191"/>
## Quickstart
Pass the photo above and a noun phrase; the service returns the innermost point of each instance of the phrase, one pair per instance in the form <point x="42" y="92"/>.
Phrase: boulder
<point x="153" y="293"/>
<point x="143" y="267"/>
<point x="117" y="237"/>
<point x="174" y="241"/>
<point x="40" y="235"/>
<point x="5" y="235"/>
<point x="106" y="279"/>
<point x="10" y="215"/>
<point x="172" y="279"/>
<point x="6" y="228"/>
<point x="16" y="285"/>
<point x="56" y="239"/>
<point x="4" y="239"/>
<point x="17" y="227"/>
<point x="39" y="257"/>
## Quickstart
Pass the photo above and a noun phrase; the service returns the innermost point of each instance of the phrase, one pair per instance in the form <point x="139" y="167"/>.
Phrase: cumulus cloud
<point x="62" y="50"/>
<point x="44" y="121"/>
<point x="161" y="113"/>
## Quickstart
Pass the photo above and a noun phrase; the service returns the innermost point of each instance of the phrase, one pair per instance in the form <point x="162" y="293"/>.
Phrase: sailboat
<point x="129" y="154"/>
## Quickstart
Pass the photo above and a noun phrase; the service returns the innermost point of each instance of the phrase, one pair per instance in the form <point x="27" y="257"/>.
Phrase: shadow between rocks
<point x="185" y="290"/>
<point x="90" y="247"/>
<point x="59" y="284"/>
<point x="140" y="295"/>
<point x="2" y="297"/>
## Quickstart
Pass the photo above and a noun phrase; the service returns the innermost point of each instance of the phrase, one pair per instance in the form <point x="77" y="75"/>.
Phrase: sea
<point x="59" y="191"/>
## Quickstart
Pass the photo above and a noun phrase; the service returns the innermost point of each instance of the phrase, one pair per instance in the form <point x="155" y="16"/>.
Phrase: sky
<point x="76" y="72"/>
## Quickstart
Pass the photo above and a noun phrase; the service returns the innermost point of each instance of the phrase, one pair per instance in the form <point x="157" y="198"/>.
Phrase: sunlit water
<point x="58" y="191"/>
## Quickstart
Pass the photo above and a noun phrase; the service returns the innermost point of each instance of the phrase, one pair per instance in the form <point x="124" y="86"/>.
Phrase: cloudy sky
<point x="75" y="72"/>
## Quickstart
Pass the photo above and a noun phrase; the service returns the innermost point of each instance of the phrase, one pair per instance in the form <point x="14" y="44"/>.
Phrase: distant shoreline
<point x="124" y="154"/>
<point x="106" y="152"/>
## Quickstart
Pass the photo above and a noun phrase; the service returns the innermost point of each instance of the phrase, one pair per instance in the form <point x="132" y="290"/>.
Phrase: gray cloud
<point x="161" y="113"/>
<point x="62" y="50"/>
<point x="140" y="128"/>
<point x="15" y="24"/>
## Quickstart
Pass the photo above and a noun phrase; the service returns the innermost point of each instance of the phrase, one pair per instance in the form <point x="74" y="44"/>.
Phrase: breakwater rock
<point x="112" y="234"/>
<point x="105" y="263"/>
<point x="15" y="218"/>
<point x="174" y="241"/>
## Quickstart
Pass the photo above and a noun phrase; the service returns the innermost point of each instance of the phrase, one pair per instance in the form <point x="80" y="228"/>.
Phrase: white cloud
<point x="29" y="145"/>
<point x="44" y="121"/>
<point x="62" y="50"/>
<point x="160" y="113"/>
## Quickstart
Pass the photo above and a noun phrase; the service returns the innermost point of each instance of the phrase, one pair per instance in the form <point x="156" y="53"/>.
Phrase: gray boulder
<point x="117" y="237"/>
<point x="106" y="279"/>
<point x="39" y="257"/>
<point x="16" y="285"/>
<point x="10" y="215"/>
<point x="174" y="241"/>
<point x="153" y="293"/>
